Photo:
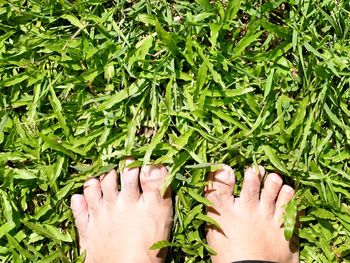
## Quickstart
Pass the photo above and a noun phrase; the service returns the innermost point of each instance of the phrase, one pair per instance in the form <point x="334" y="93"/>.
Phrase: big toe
<point x="286" y="194"/>
<point x="80" y="212"/>
<point x="152" y="178"/>
<point x="220" y="186"/>
<point x="93" y="195"/>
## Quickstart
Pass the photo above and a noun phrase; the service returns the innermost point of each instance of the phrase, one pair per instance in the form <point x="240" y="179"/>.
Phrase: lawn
<point x="189" y="84"/>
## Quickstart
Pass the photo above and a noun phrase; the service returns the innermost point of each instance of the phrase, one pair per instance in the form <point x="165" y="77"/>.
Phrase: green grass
<point x="186" y="83"/>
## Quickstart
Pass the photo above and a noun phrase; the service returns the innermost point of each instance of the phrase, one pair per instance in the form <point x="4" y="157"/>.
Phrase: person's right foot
<point x="250" y="226"/>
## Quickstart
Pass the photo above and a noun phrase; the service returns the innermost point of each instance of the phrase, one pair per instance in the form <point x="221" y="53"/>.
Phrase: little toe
<point x="272" y="186"/>
<point x="286" y="194"/>
<point x="152" y="178"/>
<point x="130" y="187"/>
<point x="251" y="186"/>
<point x="220" y="186"/>
<point x="93" y="194"/>
<point x="80" y="212"/>
<point x="109" y="186"/>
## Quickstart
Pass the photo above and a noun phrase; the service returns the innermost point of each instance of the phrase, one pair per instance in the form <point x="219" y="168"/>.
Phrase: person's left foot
<point x="121" y="226"/>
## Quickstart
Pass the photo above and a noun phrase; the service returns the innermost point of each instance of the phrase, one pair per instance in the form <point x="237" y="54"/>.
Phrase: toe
<point x="286" y="194"/>
<point x="109" y="186"/>
<point x="93" y="194"/>
<point x="152" y="178"/>
<point x="272" y="186"/>
<point x="220" y="186"/>
<point x="251" y="186"/>
<point x="80" y="212"/>
<point x="130" y="187"/>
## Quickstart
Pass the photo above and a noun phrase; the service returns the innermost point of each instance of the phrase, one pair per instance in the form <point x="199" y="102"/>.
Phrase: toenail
<point x="90" y="182"/>
<point x="288" y="189"/>
<point x="275" y="178"/>
<point x="128" y="161"/>
<point x="251" y="174"/>
<point x="155" y="173"/>
<point x="225" y="175"/>
<point x="228" y="169"/>
<point x="75" y="199"/>
<point x="151" y="171"/>
<point x="261" y="169"/>
<point x="131" y="178"/>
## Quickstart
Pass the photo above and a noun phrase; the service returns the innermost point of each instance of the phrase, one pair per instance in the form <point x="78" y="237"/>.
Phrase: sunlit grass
<point x="190" y="84"/>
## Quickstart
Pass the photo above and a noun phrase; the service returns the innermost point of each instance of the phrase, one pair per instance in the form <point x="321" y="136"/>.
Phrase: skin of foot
<point x="251" y="226"/>
<point x="120" y="226"/>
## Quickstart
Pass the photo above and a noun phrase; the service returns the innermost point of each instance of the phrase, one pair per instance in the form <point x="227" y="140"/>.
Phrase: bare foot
<point x="251" y="227"/>
<point x="120" y="226"/>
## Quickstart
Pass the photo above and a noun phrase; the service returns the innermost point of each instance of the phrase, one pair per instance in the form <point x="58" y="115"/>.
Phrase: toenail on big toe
<point x="92" y="193"/>
<point x="224" y="178"/>
<point x="78" y="203"/>
<point x="224" y="175"/>
<point x="155" y="174"/>
<point x="151" y="172"/>
<point x="151" y="178"/>
<point x="80" y="211"/>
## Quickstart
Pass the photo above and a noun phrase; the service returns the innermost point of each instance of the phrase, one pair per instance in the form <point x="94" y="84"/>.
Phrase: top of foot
<point x="121" y="226"/>
<point x="250" y="226"/>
